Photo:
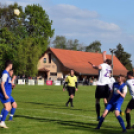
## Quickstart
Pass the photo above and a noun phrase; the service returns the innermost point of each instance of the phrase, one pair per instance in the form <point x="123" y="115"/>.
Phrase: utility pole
<point x="112" y="53"/>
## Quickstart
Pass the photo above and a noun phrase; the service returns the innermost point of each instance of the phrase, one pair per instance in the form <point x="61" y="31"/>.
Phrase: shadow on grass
<point x="57" y="106"/>
<point x="75" y="125"/>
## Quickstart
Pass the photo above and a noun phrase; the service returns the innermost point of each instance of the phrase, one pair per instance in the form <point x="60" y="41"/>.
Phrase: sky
<point x="109" y="21"/>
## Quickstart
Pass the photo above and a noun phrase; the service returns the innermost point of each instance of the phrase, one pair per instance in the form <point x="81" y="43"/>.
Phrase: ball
<point x="16" y="12"/>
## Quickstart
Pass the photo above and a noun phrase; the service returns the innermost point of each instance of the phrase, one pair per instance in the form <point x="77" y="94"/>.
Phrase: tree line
<point x="24" y="38"/>
<point x="63" y="43"/>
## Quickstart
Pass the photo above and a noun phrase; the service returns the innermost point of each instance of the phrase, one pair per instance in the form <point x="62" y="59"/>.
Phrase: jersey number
<point x="107" y="74"/>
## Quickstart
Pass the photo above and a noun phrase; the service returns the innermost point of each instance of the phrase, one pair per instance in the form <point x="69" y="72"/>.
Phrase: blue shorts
<point x="3" y="100"/>
<point x="114" y="106"/>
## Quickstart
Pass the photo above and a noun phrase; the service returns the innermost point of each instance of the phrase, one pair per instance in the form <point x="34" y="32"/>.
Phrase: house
<point x="56" y="63"/>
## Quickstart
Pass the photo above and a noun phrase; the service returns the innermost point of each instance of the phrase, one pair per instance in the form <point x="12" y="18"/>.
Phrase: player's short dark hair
<point x="108" y="61"/>
<point x="123" y="77"/>
<point x="71" y="70"/>
<point x="7" y="63"/>
<point x="130" y="73"/>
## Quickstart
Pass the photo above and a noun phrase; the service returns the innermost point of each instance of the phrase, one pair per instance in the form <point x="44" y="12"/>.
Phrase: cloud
<point x="83" y="24"/>
<point x="70" y="11"/>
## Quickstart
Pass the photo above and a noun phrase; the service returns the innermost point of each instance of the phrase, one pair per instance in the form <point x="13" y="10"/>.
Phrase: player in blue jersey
<point x="116" y="101"/>
<point x="5" y="92"/>
<point x="13" y="103"/>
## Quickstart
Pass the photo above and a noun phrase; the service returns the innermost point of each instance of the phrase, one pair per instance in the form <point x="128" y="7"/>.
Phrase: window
<point x="53" y="74"/>
<point x="49" y="55"/>
<point x="44" y="60"/>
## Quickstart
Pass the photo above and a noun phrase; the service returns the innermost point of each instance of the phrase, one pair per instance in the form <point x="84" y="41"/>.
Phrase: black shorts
<point x="131" y="104"/>
<point x="102" y="92"/>
<point x="71" y="90"/>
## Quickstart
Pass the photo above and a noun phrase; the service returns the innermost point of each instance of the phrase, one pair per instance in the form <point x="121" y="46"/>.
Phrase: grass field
<point x="41" y="110"/>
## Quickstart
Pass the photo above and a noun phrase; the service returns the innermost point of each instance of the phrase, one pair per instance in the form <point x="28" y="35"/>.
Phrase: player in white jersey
<point x="102" y="90"/>
<point x="130" y="106"/>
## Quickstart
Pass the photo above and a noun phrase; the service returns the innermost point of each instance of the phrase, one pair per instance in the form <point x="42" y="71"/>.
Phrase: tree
<point x="124" y="57"/>
<point x="28" y="56"/>
<point x="94" y="47"/>
<point x="63" y="43"/>
<point x="60" y="42"/>
<point x="29" y="32"/>
<point x="73" y="44"/>
<point x="5" y="54"/>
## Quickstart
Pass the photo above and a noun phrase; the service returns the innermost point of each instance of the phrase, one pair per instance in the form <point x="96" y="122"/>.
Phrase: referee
<point x="72" y="85"/>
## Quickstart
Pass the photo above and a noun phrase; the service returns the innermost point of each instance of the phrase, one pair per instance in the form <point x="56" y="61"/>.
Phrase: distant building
<point x="56" y="63"/>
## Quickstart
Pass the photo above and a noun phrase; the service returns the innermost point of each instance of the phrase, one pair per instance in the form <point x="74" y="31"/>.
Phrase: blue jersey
<point x="7" y="85"/>
<point x="117" y="98"/>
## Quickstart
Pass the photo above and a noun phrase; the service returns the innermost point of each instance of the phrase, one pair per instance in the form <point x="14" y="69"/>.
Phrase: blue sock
<point x="100" y="122"/>
<point x="1" y="113"/>
<point x="5" y="113"/>
<point x="121" y="122"/>
<point x="12" y="113"/>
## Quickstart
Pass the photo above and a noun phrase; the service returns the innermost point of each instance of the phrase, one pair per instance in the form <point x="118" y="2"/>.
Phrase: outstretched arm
<point x="104" y="56"/>
<point x="97" y="67"/>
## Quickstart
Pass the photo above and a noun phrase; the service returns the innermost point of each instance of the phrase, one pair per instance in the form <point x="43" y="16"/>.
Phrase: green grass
<point x="41" y="110"/>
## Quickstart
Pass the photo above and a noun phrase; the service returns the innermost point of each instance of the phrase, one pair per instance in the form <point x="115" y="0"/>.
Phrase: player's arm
<point x="4" y="79"/>
<point x="97" y="67"/>
<point x="104" y="56"/>
<point x="65" y="83"/>
<point x="12" y="82"/>
<point x="124" y="92"/>
<point x="76" y="84"/>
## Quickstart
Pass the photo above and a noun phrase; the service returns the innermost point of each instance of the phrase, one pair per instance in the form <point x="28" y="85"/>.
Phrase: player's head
<point x="72" y="72"/>
<point x="8" y="65"/>
<point x="130" y="74"/>
<point x="121" y="78"/>
<point x="11" y="72"/>
<point x="108" y="61"/>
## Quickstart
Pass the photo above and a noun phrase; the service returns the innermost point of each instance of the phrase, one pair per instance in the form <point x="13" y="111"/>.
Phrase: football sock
<point x="121" y="122"/>
<point x="100" y="122"/>
<point x="98" y="109"/>
<point x="128" y="119"/>
<point x="1" y="113"/>
<point x="5" y="113"/>
<point x="12" y="113"/>
<point x="71" y="102"/>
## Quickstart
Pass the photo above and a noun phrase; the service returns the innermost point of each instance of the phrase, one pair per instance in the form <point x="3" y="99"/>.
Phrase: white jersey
<point x="130" y="84"/>
<point x="112" y="81"/>
<point x="104" y="74"/>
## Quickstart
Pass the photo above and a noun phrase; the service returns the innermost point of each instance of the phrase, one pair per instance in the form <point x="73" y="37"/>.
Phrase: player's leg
<point x="71" y="96"/>
<point x="117" y="114"/>
<point x="105" y="102"/>
<point x="130" y="106"/>
<point x="102" y="118"/>
<point x="97" y="105"/>
<point x="1" y="113"/>
<point x="106" y="95"/>
<point x="98" y="94"/>
<point x="71" y="91"/>
<point x="14" y="106"/>
<point x="128" y="118"/>
<point x="6" y="110"/>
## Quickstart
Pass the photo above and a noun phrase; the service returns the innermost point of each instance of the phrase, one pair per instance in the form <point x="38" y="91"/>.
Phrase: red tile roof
<point x="78" y="60"/>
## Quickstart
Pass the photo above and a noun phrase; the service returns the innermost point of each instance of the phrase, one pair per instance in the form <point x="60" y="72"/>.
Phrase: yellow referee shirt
<point x="71" y="80"/>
